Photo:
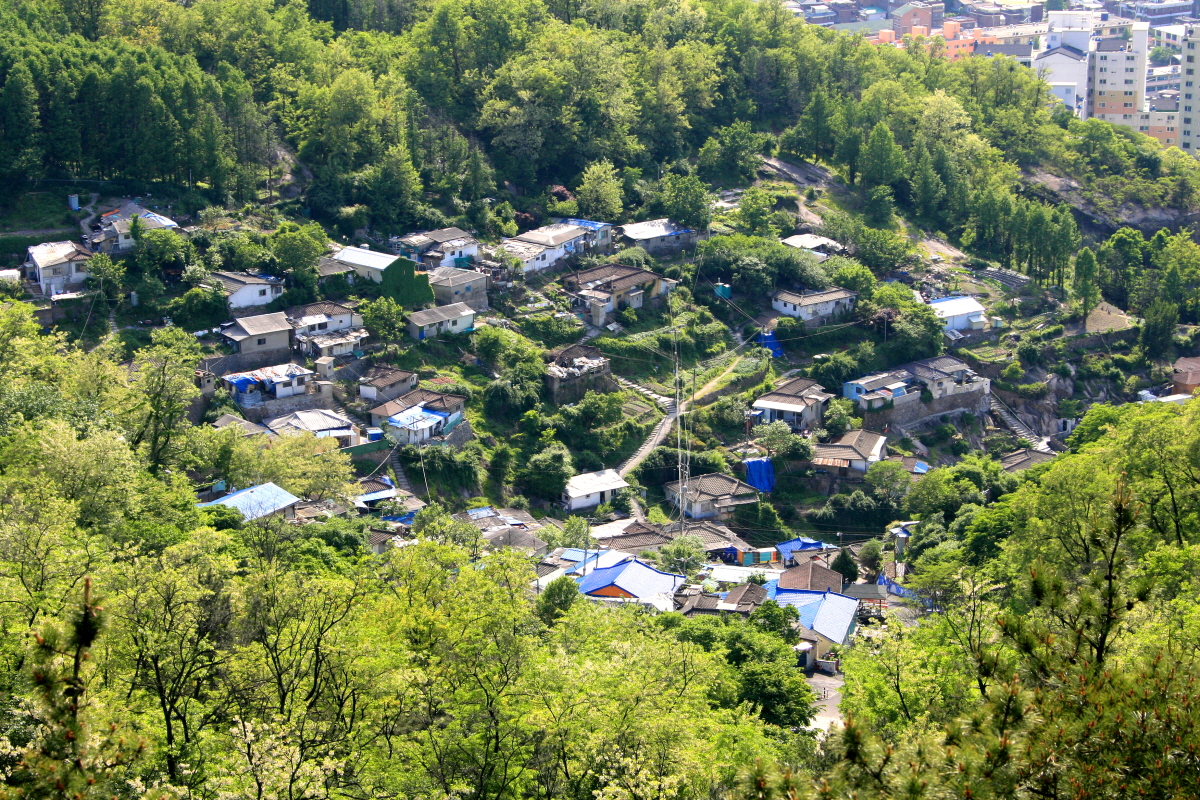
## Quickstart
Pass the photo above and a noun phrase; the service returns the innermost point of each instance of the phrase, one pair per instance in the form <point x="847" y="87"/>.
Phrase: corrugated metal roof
<point x="257" y="501"/>
<point x="633" y="577"/>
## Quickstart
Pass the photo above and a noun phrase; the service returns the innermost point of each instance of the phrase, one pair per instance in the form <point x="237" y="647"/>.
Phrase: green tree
<point x="733" y="152"/>
<point x="850" y="274"/>
<point x="557" y="598"/>
<point x="1158" y="328"/>
<point x="683" y="555"/>
<point x="754" y="213"/>
<point x="844" y="565"/>
<point x="547" y="472"/>
<point x="871" y="557"/>
<point x="599" y="192"/>
<point x="108" y="273"/>
<point x="882" y="159"/>
<point x="889" y="480"/>
<point x="20" y="125"/>
<point x="164" y="388"/>
<point x="384" y="318"/>
<point x="839" y="416"/>
<point x="779" y="440"/>
<point x="927" y="187"/>
<point x="1085" y="287"/>
<point x="686" y="200"/>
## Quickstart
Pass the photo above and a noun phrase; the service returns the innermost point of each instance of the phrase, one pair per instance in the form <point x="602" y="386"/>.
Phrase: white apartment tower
<point x="1117" y="77"/>
<point x="1189" y="134"/>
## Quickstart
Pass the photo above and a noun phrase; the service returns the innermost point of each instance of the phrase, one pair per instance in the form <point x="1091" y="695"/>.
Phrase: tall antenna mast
<point x="682" y="457"/>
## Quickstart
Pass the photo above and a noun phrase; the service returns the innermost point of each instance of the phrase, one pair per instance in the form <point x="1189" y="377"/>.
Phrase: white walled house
<point x="559" y="240"/>
<point x="592" y="489"/>
<point x="243" y="290"/>
<point x="368" y="264"/>
<point x="800" y="402"/>
<point x="853" y="450"/>
<point x="532" y="257"/>
<point x="454" y="318"/>
<point x="960" y="313"/>
<point x="57" y="267"/>
<point x="815" y="307"/>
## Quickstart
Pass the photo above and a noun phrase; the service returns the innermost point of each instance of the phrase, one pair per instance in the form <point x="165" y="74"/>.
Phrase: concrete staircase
<point x="666" y="403"/>
<point x="402" y="481"/>
<point x="655" y="438"/>
<point x="1016" y="426"/>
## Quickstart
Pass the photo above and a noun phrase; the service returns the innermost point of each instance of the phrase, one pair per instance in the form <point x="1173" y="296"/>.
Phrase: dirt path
<point x="91" y="208"/>
<point x="940" y="248"/>
<point x="708" y="387"/>
<point x="805" y="177"/>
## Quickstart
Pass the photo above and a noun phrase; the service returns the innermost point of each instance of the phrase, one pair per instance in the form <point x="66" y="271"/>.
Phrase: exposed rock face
<point x="1055" y="189"/>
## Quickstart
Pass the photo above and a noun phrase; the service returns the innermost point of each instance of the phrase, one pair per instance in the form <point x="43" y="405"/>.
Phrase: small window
<point x="322" y="326"/>
<point x="261" y="342"/>
<point x="262" y="292"/>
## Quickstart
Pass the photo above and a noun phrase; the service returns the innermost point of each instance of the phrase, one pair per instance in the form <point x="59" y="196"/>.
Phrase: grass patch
<point x="35" y="210"/>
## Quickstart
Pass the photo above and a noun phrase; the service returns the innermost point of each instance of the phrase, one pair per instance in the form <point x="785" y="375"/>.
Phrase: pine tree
<point x="845" y="565"/>
<point x="927" y="187"/>
<point x="849" y="153"/>
<point x="882" y="158"/>
<point x="21" y="155"/>
<point x="1085" y="289"/>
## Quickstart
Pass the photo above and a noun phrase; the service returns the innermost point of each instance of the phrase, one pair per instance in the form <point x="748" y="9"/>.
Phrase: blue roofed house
<point x="259" y="501"/>
<point x="599" y="234"/>
<point x="788" y="549"/>
<point x="630" y="580"/>
<point x="829" y="617"/>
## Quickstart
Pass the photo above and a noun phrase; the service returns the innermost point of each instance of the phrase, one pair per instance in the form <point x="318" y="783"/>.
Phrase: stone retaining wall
<point x="976" y="402"/>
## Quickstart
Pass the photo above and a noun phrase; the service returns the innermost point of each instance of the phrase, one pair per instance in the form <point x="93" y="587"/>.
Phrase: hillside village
<point x="542" y="400"/>
<point x="611" y="402"/>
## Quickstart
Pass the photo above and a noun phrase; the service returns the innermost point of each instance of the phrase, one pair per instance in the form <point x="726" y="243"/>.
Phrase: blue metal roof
<point x="591" y="225"/>
<point x="835" y="617"/>
<point x="828" y="613"/>
<point x="600" y="560"/>
<point x="257" y="501"/>
<point x="799" y="543"/>
<point x="634" y="577"/>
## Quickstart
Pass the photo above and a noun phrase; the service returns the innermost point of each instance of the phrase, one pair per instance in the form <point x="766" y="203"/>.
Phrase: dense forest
<point x="401" y="114"/>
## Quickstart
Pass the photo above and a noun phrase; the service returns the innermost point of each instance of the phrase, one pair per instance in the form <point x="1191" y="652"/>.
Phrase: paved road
<point x="829" y="694"/>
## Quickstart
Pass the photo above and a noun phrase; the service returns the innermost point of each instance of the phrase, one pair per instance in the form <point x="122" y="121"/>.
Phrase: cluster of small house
<point x="959" y="315"/>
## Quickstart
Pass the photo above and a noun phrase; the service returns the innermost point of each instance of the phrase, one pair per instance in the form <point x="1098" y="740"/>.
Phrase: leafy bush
<point x="1033" y="391"/>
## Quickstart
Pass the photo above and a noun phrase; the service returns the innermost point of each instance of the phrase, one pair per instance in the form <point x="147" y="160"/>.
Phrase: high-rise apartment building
<point x="1189" y="129"/>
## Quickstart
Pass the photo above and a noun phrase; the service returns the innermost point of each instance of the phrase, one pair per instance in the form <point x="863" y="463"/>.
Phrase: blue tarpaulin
<point x="767" y="339"/>
<point x="404" y="520"/>
<point x="760" y="473"/>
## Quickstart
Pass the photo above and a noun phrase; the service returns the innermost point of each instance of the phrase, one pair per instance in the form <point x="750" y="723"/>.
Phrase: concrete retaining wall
<point x="244" y="362"/>
<point x="286" y="405"/>
<point x="976" y="402"/>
